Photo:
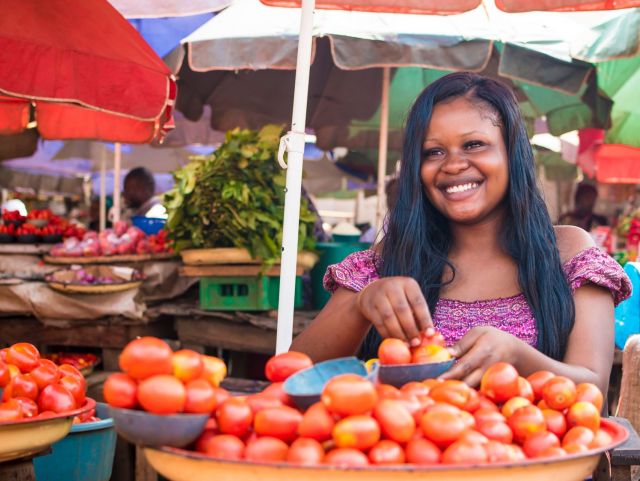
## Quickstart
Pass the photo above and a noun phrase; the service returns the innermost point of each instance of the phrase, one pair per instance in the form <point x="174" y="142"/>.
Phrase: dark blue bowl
<point x="305" y="386"/>
<point x="400" y="374"/>
<point x="148" y="225"/>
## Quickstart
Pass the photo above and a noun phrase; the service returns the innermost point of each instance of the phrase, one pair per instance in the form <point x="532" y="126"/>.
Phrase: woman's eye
<point x="428" y="153"/>
<point x="473" y="144"/>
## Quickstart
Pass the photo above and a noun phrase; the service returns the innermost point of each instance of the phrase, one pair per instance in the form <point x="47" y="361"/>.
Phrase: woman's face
<point x="465" y="169"/>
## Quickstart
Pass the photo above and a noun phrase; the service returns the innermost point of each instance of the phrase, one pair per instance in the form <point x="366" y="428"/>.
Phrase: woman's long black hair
<point x="418" y="239"/>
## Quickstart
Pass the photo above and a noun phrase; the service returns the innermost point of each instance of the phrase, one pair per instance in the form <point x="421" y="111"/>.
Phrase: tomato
<point x="559" y="393"/>
<point x="214" y="370"/>
<point x="584" y="414"/>
<point x="602" y="439"/>
<point x="10" y="410"/>
<point x="500" y="382"/>
<point x="473" y="436"/>
<point x="146" y="357"/>
<point x="435" y="338"/>
<point x="276" y="390"/>
<point x="201" y="397"/>
<point x="386" y="452"/>
<point x="221" y="395"/>
<point x="555" y="421"/>
<point x="515" y="453"/>
<point x="486" y="404"/>
<point x="553" y="452"/>
<point x="468" y="419"/>
<point x="46" y="373"/>
<point x="224" y="446"/>
<point x="387" y="391"/>
<point x="430" y="353"/>
<point x="305" y="452"/>
<point x="473" y="403"/>
<point x="204" y="438"/>
<point x="346" y="458"/>
<point x="28" y="406"/>
<point x="24" y="356"/>
<point x="525" y="389"/>
<point x="394" y="351"/>
<point x="538" y="443"/>
<point x="578" y="435"/>
<point x="590" y="393"/>
<point x="537" y="380"/>
<point x="259" y="401"/>
<point x="279" y="422"/>
<point x="349" y="394"/>
<point x="463" y="452"/>
<point x="5" y="375"/>
<point x="453" y="392"/>
<point x="3" y="354"/>
<point x="317" y="423"/>
<point x="575" y="448"/>
<point x="513" y="404"/>
<point x="415" y="388"/>
<point x="56" y="398"/>
<point x="422" y="452"/>
<point x="431" y="383"/>
<point x="234" y="417"/>
<point x="416" y="407"/>
<point x="75" y="387"/>
<point x="22" y="385"/>
<point x="483" y="415"/>
<point x="496" y="431"/>
<point x="396" y="422"/>
<point x="162" y="394"/>
<point x="267" y="450"/>
<point x="526" y="421"/>
<point x="497" y="452"/>
<point x="280" y="367"/>
<point x="443" y="424"/>
<point x="120" y="391"/>
<point x="358" y="432"/>
<point x="542" y="405"/>
<point x="187" y="365"/>
<point x="69" y="370"/>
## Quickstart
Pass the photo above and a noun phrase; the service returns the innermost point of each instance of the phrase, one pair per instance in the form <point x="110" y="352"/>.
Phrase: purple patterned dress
<point x="510" y="314"/>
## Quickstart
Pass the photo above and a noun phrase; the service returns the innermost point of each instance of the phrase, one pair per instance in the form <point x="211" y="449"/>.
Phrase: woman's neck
<point x="479" y="240"/>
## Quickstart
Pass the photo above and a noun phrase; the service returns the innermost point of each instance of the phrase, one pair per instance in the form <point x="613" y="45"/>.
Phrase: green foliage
<point x="235" y="198"/>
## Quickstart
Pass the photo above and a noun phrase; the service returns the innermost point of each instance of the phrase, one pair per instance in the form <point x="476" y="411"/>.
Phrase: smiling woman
<point x="470" y="250"/>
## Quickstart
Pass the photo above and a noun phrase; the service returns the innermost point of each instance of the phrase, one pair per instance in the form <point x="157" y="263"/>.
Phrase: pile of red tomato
<point x="160" y="381"/>
<point x="431" y="349"/>
<point x="38" y="388"/>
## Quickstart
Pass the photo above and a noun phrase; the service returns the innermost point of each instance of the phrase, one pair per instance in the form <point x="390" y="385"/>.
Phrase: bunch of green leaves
<point x="235" y="198"/>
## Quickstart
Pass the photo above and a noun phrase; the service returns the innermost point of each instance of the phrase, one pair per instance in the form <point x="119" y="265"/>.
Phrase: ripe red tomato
<point x="22" y="385"/>
<point x="422" y="452"/>
<point x="473" y="403"/>
<point x="280" y="367"/>
<point x="56" y="398"/>
<point x="578" y="435"/>
<point x="204" y="438"/>
<point x="187" y="365"/>
<point x="483" y="415"/>
<point x="23" y="355"/>
<point x="553" y="452"/>
<point x="556" y="422"/>
<point x="559" y="393"/>
<point x="415" y="388"/>
<point x="396" y="422"/>
<point x="214" y="370"/>
<point x="221" y="395"/>
<point x="497" y="452"/>
<point x="267" y="450"/>
<point x="537" y="380"/>
<point x="526" y="421"/>
<point x="464" y="452"/>
<point x="525" y="389"/>
<point x="415" y="406"/>
<point x="584" y="414"/>
<point x="317" y="423"/>
<point x="276" y="390"/>
<point x="602" y="439"/>
<point x="513" y="404"/>
<point x="590" y="393"/>
<point x="69" y="370"/>
<point x="305" y="452"/>
<point x="387" y="391"/>
<point x="473" y="436"/>
<point x="486" y="404"/>
<point x="394" y="351"/>
<point x="234" y="416"/>
<point x="496" y="431"/>
<point x="456" y="393"/>
<point x="435" y="338"/>
<point x="223" y="446"/>
<point x="162" y="394"/>
<point x="386" y="452"/>
<point x="46" y="373"/>
<point x="430" y="353"/>
<point x="358" y="432"/>
<point x="146" y="357"/>
<point x="443" y="424"/>
<point x="349" y="394"/>
<point x="28" y="406"/>
<point x="279" y="422"/>
<point x="10" y="410"/>
<point x="575" y="448"/>
<point x="500" y="382"/>
<point x="201" y="397"/>
<point x="120" y="391"/>
<point x="75" y="387"/>
<point x="538" y="443"/>
<point x="259" y="401"/>
<point x="5" y="375"/>
<point x="346" y="458"/>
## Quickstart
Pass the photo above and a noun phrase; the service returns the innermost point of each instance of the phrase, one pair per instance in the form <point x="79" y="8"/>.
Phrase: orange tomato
<point x="75" y="387"/>
<point x="28" y="406"/>
<point x="513" y="404"/>
<point x="22" y="385"/>
<point x="575" y="448"/>
<point x="120" y="391"/>
<point x="497" y="452"/>
<point x="146" y="357"/>
<point x="394" y="351"/>
<point x="537" y="380"/>
<point x="415" y="388"/>
<point x="305" y="452"/>
<point x="201" y="397"/>
<point x="10" y="410"/>
<point x="473" y="436"/>
<point x="235" y="417"/>
<point x="578" y="435"/>
<point x="358" y="432"/>
<point x="443" y="424"/>
<point x="5" y="374"/>
<point x="486" y="403"/>
<point x="214" y="370"/>
<point x="500" y="382"/>
<point x="56" y="398"/>
<point x="267" y="450"/>
<point x="456" y="393"/>
<point x="559" y="393"/>
<point x="556" y="423"/>
<point x="483" y="415"/>
<point x="259" y="401"/>
<point x="187" y="365"/>
<point x="525" y="389"/>
<point x="224" y="446"/>
<point x="436" y="338"/>
<point x="538" y="443"/>
<point x="349" y="394"/>
<point x="46" y="373"/>
<point x="396" y="422"/>
<point x="279" y="422"/>
<point x="69" y="370"/>
<point x="422" y="452"/>
<point x="346" y="458"/>
<point x="496" y="431"/>
<point x="162" y="394"/>
<point x="584" y="414"/>
<point x="386" y="452"/>
<point x="221" y="395"/>
<point x="317" y="423"/>
<point x="387" y="391"/>
<point x="276" y="390"/>
<point x="464" y="452"/>
<point x="473" y="403"/>
<point x="24" y="356"/>
<point x="430" y="353"/>
<point x="590" y="393"/>
<point x="280" y="367"/>
<point x="526" y="421"/>
<point x="602" y="439"/>
<point x="553" y="452"/>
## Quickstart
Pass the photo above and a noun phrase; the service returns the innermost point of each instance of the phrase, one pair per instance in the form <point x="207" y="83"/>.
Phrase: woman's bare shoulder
<point x="572" y="240"/>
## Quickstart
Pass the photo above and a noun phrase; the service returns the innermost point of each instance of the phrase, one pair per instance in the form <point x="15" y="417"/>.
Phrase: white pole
<point x="382" y="147"/>
<point x="103" y="190"/>
<point x="293" y="142"/>
<point x="117" y="160"/>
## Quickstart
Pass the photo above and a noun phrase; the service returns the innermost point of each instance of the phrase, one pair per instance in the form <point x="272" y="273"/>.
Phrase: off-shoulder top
<point x="510" y="314"/>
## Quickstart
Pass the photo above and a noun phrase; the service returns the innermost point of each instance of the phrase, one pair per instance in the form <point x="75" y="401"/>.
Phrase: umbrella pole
<point x="117" y="161"/>
<point x="103" y="191"/>
<point x="382" y="147"/>
<point x="293" y="143"/>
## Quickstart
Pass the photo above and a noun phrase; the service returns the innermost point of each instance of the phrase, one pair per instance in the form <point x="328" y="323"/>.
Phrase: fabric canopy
<point x="564" y="5"/>
<point x="167" y="8"/>
<point x="82" y="71"/>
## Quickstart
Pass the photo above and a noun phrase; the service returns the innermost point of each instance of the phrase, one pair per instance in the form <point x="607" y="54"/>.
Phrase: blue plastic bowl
<point x="148" y="225"/>
<point x="86" y="454"/>
<point x="400" y="374"/>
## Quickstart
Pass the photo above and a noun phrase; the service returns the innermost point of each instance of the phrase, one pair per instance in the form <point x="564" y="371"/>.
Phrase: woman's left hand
<point x="480" y="348"/>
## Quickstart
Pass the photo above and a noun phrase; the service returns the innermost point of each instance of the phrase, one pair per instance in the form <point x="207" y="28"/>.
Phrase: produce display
<point x="95" y="275"/>
<point x="35" y="387"/>
<point x="235" y="198"/>
<point x="431" y="349"/>
<point x="83" y="362"/>
<point x="38" y="226"/>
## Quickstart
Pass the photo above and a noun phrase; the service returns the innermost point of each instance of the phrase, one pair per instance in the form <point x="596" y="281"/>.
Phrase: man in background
<point x="138" y="193"/>
<point x="582" y="214"/>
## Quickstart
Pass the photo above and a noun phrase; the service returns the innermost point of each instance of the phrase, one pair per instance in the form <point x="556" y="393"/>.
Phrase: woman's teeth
<point x="461" y="188"/>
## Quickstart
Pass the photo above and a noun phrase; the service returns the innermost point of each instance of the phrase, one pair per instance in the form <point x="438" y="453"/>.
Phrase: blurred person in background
<point x="139" y="195"/>
<point x="583" y="215"/>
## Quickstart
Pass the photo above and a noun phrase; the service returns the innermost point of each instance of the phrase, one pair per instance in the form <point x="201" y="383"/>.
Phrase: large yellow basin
<point x="180" y="465"/>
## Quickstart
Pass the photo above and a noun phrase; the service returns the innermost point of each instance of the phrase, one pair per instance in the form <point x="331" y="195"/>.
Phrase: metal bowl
<point x="400" y="374"/>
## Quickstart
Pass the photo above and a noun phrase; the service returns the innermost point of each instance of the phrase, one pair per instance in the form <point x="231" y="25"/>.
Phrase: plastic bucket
<point x="86" y="454"/>
<point x="330" y="253"/>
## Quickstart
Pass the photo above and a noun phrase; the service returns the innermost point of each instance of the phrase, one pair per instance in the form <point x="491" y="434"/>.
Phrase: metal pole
<point x="382" y="148"/>
<point x="117" y="161"/>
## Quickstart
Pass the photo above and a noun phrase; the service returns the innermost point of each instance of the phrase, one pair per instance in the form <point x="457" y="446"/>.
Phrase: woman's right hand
<point x="396" y="307"/>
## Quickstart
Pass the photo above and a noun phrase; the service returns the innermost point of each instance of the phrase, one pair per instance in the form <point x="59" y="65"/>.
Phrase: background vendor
<point x="138" y="193"/>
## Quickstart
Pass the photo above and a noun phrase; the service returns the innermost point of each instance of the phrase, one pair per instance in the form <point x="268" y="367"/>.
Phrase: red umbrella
<point x="81" y="71"/>
<point x="564" y="5"/>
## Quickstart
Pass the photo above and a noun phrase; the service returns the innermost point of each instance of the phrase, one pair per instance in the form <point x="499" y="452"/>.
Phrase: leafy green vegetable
<point x="235" y="198"/>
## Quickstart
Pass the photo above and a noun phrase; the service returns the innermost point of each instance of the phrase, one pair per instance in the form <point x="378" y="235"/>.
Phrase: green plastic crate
<point x="244" y="293"/>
